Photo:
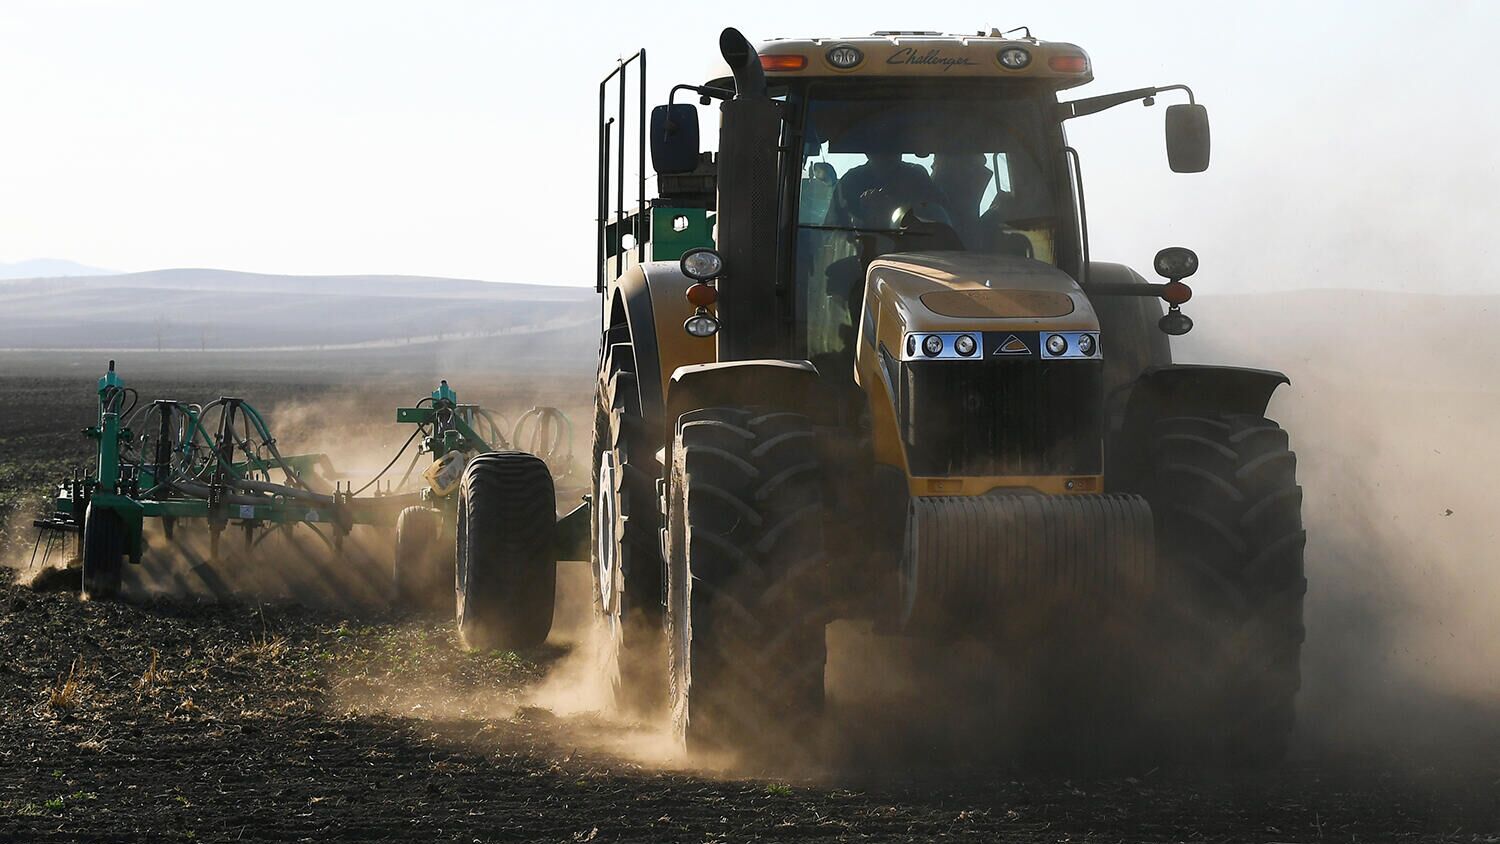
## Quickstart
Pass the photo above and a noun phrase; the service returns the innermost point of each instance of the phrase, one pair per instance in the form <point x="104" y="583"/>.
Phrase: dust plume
<point x="1395" y="456"/>
<point x="564" y="688"/>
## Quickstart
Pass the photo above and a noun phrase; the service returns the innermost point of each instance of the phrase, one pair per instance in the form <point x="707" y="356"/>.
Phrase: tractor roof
<point x="890" y="54"/>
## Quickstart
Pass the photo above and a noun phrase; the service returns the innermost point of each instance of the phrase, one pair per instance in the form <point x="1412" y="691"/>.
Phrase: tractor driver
<point x="869" y="194"/>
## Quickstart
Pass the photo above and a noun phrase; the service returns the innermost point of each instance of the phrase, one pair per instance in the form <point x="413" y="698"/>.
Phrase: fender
<point x="1184" y="390"/>
<point x="792" y="383"/>
<point x="630" y="307"/>
<point x="649" y="301"/>
<point x="1194" y="389"/>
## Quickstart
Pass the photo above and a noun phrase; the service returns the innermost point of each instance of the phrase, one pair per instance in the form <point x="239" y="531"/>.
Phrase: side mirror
<point x="674" y="138"/>
<point x="1187" y="138"/>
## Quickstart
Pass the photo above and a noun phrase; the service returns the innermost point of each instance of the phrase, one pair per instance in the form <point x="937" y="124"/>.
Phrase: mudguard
<point x="1183" y="390"/>
<point x="648" y="305"/>
<point x="631" y="308"/>
<point x="1195" y="389"/>
<point x="790" y="383"/>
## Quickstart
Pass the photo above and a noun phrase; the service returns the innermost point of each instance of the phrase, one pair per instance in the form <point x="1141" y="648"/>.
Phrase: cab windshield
<point x="978" y="166"/>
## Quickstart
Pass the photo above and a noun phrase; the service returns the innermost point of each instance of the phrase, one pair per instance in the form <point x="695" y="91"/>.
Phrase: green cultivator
<point x="220" y="465"/>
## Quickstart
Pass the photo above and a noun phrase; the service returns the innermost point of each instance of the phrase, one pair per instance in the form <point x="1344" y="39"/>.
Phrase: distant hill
<point x="48" y="268"/>
<point x="208" y="309"/>
<point x="385" y="323"/>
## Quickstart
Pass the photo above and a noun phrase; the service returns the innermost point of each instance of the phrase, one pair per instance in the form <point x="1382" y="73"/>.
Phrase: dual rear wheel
<point x="626" y="552"/>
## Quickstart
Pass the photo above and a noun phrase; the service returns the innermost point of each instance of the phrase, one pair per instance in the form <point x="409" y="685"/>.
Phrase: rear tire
<point x="627" y="564"/>
<point x="422" y="574"/>
<point x="103" y="553"/>
<point x="746" y="581"/>
<point x="1229" y="528"/>
<point x="506" y="571"/>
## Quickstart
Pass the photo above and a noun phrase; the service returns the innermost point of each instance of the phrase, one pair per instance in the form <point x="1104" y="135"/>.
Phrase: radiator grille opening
<point x="1028" y="417"/>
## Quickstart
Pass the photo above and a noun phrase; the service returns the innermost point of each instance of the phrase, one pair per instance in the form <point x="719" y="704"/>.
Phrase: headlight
<point x="964" y="345"/>
<point x="1057" y="344"/>
<point x="932" y="346"/>
<point x="702" y="264"/>
<point x="1086" y="345"/>
<point x="1176" y="262"/>
<point x="701" y="325"/>
<point x="1014" y="58"/>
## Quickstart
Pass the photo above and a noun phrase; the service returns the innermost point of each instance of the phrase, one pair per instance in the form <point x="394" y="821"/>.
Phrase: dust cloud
<point x="1402" y="656"/>
<point x="1391" y="427"/>
<point x="1396" y="456"/>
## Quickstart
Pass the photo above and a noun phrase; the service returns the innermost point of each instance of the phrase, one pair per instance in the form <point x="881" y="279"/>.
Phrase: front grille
<point x="1001" y="417"/>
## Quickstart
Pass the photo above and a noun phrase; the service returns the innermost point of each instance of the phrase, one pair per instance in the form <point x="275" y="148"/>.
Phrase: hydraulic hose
<point x="409" y="441"/>
<point x="282" y="490"/>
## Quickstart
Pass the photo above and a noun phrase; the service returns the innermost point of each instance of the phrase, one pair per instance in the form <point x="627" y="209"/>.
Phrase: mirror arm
<point x="1151" y="289"/>
<point x="1094" y="105"/>
<point x="704" y="92"/>
<point x="1191" y="99"/>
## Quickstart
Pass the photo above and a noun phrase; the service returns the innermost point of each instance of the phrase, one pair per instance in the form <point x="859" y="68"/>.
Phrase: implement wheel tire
<point x="422" y="575"/>
<point x="1229" y="527"/>
<point x="103" y="553"/>
<point x="626" y="550"/>
<point x="746" y="581"/>
<point x="506" y="571"/>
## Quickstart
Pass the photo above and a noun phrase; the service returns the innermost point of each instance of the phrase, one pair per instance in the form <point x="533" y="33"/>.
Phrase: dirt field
<point x="175" y="721"/>
<point x="264" y="718"/>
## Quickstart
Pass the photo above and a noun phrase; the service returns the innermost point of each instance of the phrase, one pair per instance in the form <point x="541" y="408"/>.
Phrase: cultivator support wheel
<point x="507" y="568"/>
<point x="103" y="552"/>
<point x="422" y="567"/>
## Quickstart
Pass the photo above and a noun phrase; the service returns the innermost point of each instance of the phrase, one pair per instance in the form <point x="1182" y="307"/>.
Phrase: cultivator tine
<point x="38" y="542"/>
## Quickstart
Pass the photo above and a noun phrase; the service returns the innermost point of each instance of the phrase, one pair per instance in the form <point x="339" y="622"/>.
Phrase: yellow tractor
<point x="859" y="364"/>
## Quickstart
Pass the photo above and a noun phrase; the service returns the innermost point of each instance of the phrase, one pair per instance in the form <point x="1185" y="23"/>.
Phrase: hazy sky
<point x="1355" y="144"/>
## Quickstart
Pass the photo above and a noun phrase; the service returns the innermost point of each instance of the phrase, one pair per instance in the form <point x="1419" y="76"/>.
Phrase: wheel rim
<point x="461" y="561"/>
<point x="680" y="616"/>
<point x="606" y="542"/>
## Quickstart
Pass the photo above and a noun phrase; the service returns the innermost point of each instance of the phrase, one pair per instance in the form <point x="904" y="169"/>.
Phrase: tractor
<point x="858" y="363"/>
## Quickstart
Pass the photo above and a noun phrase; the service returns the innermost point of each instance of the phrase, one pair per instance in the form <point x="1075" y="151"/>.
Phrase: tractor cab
<point x="895" y="142"/>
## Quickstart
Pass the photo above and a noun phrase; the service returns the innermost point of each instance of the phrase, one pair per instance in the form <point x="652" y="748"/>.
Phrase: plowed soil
<point x="176" y="720"/>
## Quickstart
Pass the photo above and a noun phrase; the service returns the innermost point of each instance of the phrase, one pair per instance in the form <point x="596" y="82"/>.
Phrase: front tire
<point x="746" y="580"/>
<point x="1229" y="527"/>
<point x="506" y="571"/>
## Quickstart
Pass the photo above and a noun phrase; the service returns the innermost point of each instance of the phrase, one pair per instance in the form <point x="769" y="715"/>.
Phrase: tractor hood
<point x="983" y="371"/>
<point x="954" y="291"/>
